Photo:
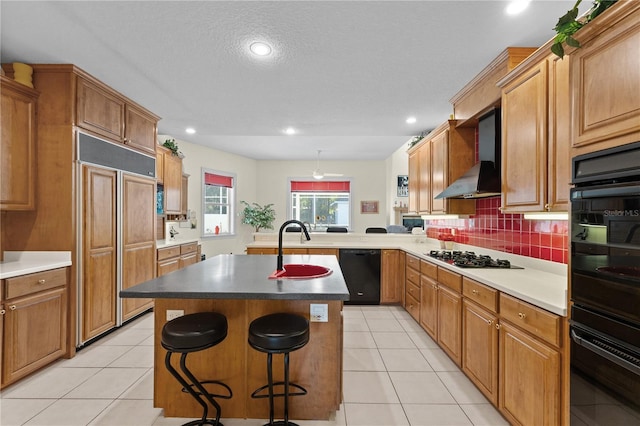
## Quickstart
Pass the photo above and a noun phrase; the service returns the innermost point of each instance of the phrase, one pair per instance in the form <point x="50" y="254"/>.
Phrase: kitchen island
<point x="238" y="287"/>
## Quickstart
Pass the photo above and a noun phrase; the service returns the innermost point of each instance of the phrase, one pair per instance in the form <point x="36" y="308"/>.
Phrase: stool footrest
<point x="255" y="393"/>
<point x="215" y="395"/>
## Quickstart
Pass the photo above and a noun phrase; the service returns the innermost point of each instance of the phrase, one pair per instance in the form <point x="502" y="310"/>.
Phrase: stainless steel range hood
<point x="483" y="179"/>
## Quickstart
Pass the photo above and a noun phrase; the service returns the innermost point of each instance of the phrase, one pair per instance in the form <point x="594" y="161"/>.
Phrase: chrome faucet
<point x="284" y="225"/>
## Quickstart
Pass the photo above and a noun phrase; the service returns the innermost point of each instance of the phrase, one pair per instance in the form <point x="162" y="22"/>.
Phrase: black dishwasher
<point x="361" y="271"/>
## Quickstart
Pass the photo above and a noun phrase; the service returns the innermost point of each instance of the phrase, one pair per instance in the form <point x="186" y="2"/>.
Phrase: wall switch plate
<point x="174" y="313"/>
<point x="319" y="312"/>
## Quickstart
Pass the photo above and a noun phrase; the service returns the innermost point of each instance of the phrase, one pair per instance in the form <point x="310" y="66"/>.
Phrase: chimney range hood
<point x="483" y="179"/>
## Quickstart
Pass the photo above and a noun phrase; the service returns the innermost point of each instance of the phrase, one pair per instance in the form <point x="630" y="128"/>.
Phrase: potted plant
<point x="569" y="24"/>
<point x="258" y="216"/>
<point x="173" y="147"/>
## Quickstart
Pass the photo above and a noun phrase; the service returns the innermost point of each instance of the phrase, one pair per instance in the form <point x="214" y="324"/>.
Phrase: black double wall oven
<point x="605" y="286"/>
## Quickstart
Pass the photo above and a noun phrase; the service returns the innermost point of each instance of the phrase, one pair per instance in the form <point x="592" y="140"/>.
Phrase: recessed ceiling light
<point x="259" y="48"/>
<point x="190" y="130"/>
<point x="290" y="131"/>
<point x="517" y="6"/>
<point x="411" y="120"/>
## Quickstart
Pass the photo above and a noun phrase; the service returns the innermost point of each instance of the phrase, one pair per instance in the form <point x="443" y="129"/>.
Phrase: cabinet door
<point x="100" y="110"/>
<point x="424" y="181"/>
<point x="414" y="181"/>
<point x="606" y="83"/>
<point x="529" y="379"/>
<point x="391" y="278"/>
<point x="524" y="136"/>
<point x="160" y="165"/>
<point x="35" y="332"/>
<point x="480" y="349"/>
<point x="429" y="306"/>
<point x="18" y="138"/>
<point x="450" y="323"/>
<point x="98" y="252"/>
<point x="172" y="184"/>
<point x="559" y="143"/>
<point x="189" y="259"/>
<point x="140" y="130"/>
<point x="184" y="195"/>
<point x="138" y="239"/>
<point x="439" y="170"/>
<point x="168" y="265"/>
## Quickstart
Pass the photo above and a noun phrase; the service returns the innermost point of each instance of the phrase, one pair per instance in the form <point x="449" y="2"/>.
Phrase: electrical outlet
<point x="174" y="313"/>
<point x="319" y="312"/>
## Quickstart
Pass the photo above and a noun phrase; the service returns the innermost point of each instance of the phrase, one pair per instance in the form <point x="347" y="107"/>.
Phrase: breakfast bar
<point x="239" y="287"/>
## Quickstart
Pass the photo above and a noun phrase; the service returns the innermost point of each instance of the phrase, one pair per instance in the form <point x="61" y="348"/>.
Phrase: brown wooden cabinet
<point x="138" y="239"/>
<point x="34" y="324"/>
<point x="480" y="337"/>
<point x="18" y="144"/>
<point x="412" y="286"/>
<point x="172" y="183"/>
<point x="184" y="194"/>
<point x="605" y="78"/>
<point x="262" y="250"/>
<point x="429" y="306"/>
<point x="176" y="257"/>
<point x="536" y="122"/>
<point x="450" y="323"/>
<point x="106" y="113"/>
<point x="391" y="276"/>
<point x="435" y="162"/>
<point x="160" y="165"/>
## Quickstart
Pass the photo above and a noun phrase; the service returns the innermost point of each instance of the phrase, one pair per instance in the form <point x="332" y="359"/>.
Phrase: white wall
<point x="397" y="164"/>
<point x="196" y="157"/>
<point x="368" y="184"/>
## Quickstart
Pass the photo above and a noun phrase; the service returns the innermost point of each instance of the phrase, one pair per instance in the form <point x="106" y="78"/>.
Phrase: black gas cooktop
<point x="469" y="259"/>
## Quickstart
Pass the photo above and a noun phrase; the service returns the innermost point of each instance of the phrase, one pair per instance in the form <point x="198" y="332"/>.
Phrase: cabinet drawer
<point x="450" y="279"/>
<point x="412" y="306"/>
<point x="189" y="248"/>
<point x="413" y="275"/>
<point x="538" y="322"/>
<point x="167" y="252"/>
<point x="33" y="283"/>
<point x="428" y="269"/>
<point x="480" y="293"/>
<point x="413" y="290"/>
<point x="413" y="262"/>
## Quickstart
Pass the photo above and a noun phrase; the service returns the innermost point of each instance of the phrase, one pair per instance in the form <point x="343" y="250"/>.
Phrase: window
<point x="217" y="203"/>
<point x="322" y="204"/>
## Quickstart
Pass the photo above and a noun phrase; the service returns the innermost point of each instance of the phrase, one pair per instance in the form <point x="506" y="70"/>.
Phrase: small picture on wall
<point x="403" y="186"/>
<point x="369" y="207"/>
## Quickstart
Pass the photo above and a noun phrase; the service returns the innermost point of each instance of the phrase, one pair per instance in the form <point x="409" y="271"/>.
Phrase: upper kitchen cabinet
<point x="605" y="80"/>
<point x="440" y="158"/>
<point x="536" y="123"/>
<point x="106" y="113"/>
<point x="171" y="181"/>
<point x="18" y="144"/>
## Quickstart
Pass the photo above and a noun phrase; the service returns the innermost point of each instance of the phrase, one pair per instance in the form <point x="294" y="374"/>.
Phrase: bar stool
<point x="279" y="333"/>
<point x="192" y="333"/>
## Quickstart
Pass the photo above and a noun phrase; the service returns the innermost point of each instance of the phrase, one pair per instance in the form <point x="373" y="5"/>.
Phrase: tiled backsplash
<point x="511" y="233"/>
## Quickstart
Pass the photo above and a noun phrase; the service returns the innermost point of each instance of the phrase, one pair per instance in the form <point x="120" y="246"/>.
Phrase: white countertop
<point x="541" y="283"/>
<point x="18" y="263"/>
<point x="168" y="242"/>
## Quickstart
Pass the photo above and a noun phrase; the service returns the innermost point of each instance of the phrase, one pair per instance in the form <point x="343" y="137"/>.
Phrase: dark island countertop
<point x="229" y="276"/>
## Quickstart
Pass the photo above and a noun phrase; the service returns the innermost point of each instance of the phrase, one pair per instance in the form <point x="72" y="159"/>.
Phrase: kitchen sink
<point x="625" y="271"/>
<point x="300" y="271"/>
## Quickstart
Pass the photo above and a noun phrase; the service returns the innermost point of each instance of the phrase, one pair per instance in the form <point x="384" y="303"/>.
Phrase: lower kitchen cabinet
<point x="412" y="286"/>
<point x="449" y="323"/>
<point x="262" y="250"/>
<point x="391" y="276"/>
<point x="480" y="348"/>
<point x="176" y="257"/>
<point x="34" y="323"/>
<point x="429" y="299"/>
<point x="530" y="379"/>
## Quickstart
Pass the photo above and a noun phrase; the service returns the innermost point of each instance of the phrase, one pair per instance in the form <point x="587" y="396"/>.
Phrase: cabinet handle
<point x="12" y="307"/>
<point x="2" y="311"/>
<point x="42" y="281"/>
<point x="547" y="207"/>
<point x="521" y="315"/>
<point x="476" y="292"/>
<point x="435" y="287"/>
<point x="489" y="323"/>
<point x="501" y="209"/>
<point x="497" y="326"/>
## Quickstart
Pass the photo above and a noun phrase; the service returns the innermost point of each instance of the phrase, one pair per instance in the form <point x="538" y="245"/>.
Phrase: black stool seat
<point x="278" y="333"/>
<point x="194" y="332"/>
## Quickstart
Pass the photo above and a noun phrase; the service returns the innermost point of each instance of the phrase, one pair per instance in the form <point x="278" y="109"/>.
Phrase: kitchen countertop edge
<point x="18" y="263"/>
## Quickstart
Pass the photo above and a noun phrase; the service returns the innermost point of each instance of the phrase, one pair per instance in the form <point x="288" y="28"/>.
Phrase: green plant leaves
<point x="258" y="216"/>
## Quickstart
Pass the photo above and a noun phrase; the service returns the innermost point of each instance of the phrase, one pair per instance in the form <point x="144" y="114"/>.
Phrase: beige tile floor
<point x="394" y="375"/>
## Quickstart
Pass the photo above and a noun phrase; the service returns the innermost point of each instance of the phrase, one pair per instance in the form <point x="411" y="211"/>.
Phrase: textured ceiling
<point x="346" y="74"/>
